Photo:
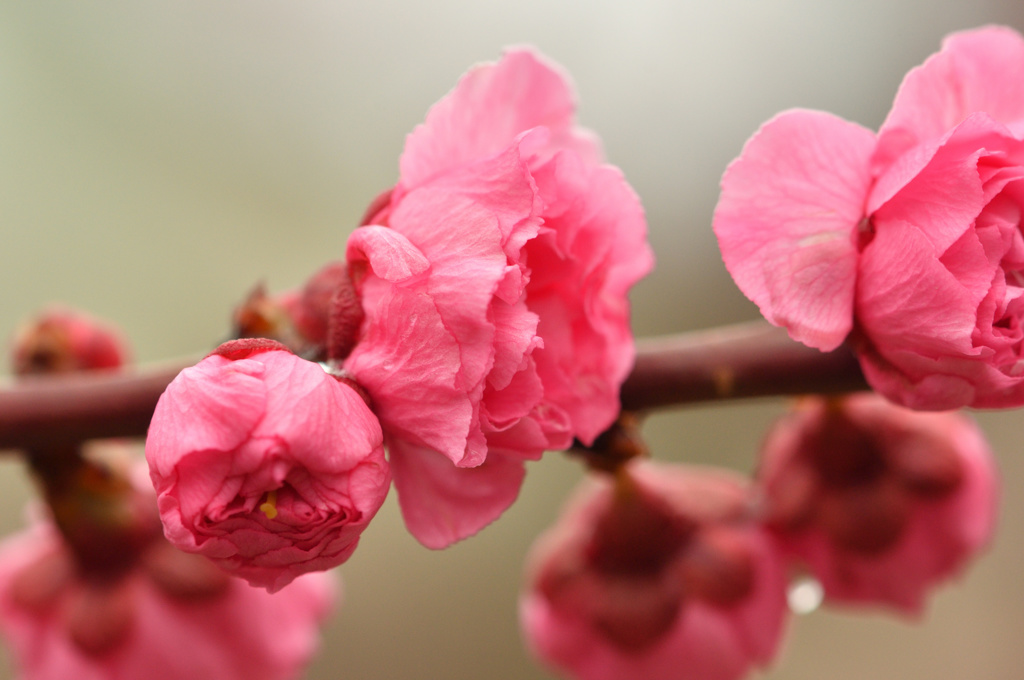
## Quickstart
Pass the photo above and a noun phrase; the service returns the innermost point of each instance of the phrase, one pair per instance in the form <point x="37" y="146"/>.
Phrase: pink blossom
<point x="911" y="238"/>
<point x="494" y="279"/>
<point x="879" y="502"/>
<point x="265" y="464"/>
<point x="666" y="576"/>
<point x="175" y="616"/>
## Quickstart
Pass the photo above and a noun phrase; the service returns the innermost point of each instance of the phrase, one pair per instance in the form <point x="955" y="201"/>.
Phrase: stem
<point x="748" y="360"/>
<point x="734" y="362"/>
<point x="47" y="412"/>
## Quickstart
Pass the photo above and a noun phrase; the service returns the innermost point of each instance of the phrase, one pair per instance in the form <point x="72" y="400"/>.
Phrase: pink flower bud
<point x="63" y="341"/>
<point x="881" y="503"/>
<point x="265" y="463"/>
<point x="661" y="574"/>
<point x="173" y="616"/>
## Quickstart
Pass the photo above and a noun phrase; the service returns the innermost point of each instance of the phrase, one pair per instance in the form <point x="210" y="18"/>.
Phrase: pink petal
<point x="906" y="298"/>
<point x="491" y="105"/>
<point x="938" y="187"/>
<point x="441" y="503"/>
<point x="979" y="70"/>
<point x="408" y="362"/>
<point x="212" y="406"/>
<point x="581" y="272"/>
<point x="787" y="221"/>
<point x="387" y="252"/>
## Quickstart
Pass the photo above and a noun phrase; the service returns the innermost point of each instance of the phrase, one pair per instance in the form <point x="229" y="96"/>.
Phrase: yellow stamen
<point x="269" y="507"/>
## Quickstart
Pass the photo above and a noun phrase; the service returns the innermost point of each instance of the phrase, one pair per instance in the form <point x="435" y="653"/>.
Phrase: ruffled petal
<point x="594" y="250"/>
<point x="979" y="70"/>
<point x="490" y="106"/>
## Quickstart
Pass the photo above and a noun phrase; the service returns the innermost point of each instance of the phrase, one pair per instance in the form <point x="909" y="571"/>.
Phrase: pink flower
<point x="910" y="238"/>
<point x="881" y="503"/>
<point x="175" y="616"/>
<point x="494" y="278"/>
<point x="265" y="464"/>
<point x="664" y="576"/>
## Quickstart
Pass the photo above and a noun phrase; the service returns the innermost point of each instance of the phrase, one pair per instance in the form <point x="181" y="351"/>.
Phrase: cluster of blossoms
<point x="681" y="573"/>
<point x="479" y="319"/>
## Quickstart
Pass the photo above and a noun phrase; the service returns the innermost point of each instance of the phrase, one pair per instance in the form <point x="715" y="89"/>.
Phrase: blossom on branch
<point x="880" y="503"/>
<point x="265" y="463"/>
<point x="909" y="239"/>
<point x="494" y="280"/>
<point x="663" y="573"/>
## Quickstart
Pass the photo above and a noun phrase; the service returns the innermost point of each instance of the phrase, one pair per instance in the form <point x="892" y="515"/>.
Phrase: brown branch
<point x="749" y="360"/>
<point x="733" y="362"/>
<point x="48" y="411"/>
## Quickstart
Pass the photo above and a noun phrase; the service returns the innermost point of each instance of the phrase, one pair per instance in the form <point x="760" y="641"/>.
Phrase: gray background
<point x="157" y="159"/>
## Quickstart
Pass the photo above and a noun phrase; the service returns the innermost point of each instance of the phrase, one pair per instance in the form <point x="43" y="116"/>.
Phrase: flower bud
<point x="880" y="502"/>
<point x="265" y="463"/>
<point x="64" y="341"/>
<point x="662" y="573"/>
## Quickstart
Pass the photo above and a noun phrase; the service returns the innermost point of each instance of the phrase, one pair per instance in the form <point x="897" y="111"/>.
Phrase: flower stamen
<point x="269" y="506"/>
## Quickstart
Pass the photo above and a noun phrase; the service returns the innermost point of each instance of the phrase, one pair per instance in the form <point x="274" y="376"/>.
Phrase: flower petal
<point x="442" y="503"/>
<point x="212" y="406"/>
<point x="491" y="106"/>
<point x="979" y="70"/>
<point x="787" y="221"/>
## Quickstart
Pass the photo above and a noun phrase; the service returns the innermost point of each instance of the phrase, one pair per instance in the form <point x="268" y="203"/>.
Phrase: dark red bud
<point x="63" y="341"/>
<point x="344" y="321"/>
<point x="262" y="316"/>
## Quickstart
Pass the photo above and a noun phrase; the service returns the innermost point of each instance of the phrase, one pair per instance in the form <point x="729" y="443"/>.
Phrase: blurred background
<point x="158" y="159"/>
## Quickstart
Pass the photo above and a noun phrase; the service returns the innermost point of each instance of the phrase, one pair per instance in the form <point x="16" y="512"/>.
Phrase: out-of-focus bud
<point x="262" y="315"/>
<point x="171" y="616"/>
<point x="62" y="341"/>
<point x="880" y="503"/>
<point x="662" y="573"/>
<point x="319" y="322"/>
<point x="265" y="463"/>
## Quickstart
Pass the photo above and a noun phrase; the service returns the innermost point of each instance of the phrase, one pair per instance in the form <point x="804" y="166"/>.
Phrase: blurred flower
<point x="913" y="236"/>
<point x="881" y="503"/>
<point x="61" y="340"/>
<point x="494" y="279"/>
<point x="172" y="616"/>
<point x="265" y="463"/>
<point x="662" y="574"/>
